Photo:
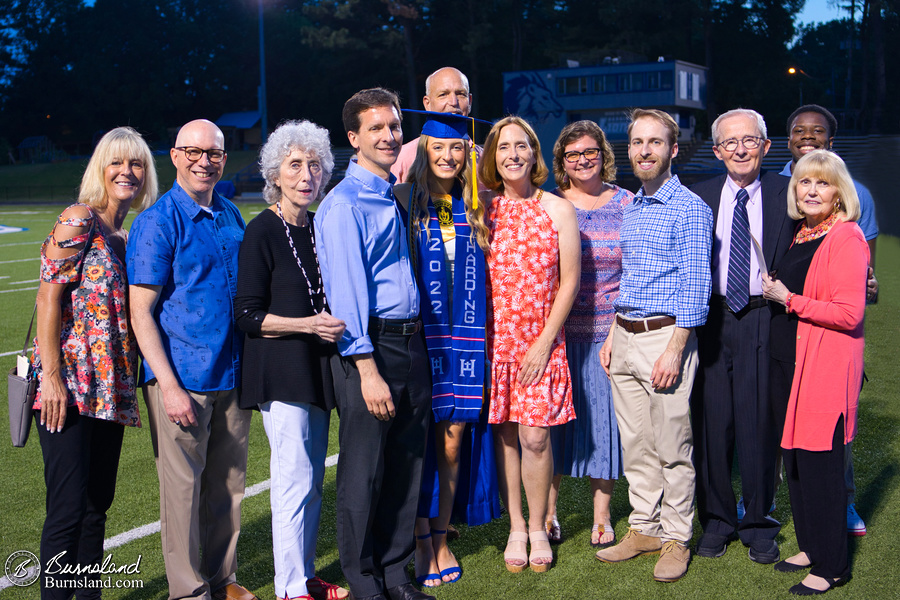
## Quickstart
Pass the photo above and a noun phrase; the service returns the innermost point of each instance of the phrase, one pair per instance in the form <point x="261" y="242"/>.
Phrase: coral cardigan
<point x="830" y="344"/>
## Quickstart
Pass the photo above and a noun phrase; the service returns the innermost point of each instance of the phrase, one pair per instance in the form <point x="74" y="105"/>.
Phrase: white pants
<point x="298" y="438"/>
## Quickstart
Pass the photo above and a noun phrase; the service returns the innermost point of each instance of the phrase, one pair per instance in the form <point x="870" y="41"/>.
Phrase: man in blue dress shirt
<point x="182" y="267"/>
<point x="651" y="353"/>
<point x="382" y="376"/>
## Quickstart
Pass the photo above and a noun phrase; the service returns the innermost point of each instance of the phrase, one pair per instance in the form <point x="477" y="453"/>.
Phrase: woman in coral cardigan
<point x="817" y="361"/>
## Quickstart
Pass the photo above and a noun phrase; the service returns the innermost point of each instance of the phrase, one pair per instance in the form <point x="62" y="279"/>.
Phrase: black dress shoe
<point x="787" y="567"/>
<point x="375" y="597"/>
<point x="764" y="552"/>
<point x="406" y="591"/>
<point x="713" y="545"/>
<point x="802" y="590"/>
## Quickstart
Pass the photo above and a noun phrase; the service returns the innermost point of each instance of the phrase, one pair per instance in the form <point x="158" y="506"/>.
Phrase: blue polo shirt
<point x="193" y="254"/>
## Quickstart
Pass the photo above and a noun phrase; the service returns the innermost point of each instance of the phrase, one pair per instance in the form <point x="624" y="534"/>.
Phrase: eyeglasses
<point x="748" y="141"/>
<point x="193" y="154"/>
<point x="589" y="154"/>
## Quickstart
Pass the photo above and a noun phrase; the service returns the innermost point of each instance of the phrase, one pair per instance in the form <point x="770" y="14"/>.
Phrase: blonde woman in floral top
<point x="85" y="353"/>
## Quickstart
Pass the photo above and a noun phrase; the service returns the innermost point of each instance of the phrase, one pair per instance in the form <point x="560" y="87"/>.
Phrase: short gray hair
<point x="430" y="78"/>
<point x="287" y="137"/>
<point x="745" y="112"/>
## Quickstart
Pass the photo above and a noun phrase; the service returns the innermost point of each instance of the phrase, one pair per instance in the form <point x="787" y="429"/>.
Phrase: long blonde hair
<point x="420" y="176"/>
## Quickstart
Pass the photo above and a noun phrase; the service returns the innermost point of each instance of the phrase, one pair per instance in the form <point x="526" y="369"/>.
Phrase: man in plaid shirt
<point x="651" y="352"/>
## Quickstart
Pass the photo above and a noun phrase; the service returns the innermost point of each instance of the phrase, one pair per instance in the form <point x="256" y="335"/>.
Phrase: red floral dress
<point x="523" y="280"/>
<point x="98" y="349"/>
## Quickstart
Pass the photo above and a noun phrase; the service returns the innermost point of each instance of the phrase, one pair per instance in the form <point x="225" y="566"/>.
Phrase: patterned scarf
<point x="455" y="342"/>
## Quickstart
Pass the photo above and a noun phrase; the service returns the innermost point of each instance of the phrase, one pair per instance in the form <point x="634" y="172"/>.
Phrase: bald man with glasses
<point x="182" y="270"/>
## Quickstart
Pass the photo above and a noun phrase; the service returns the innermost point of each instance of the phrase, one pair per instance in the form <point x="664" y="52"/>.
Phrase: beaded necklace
<point x="318" y="291"/>
<point x="808" y="234"/>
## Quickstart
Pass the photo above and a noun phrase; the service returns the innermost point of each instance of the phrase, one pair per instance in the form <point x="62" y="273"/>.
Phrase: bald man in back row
<point x="447" y="91"/>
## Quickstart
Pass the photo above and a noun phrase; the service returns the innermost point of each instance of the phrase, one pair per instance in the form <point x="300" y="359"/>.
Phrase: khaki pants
<point x="201" y="483"/>
<point x="655" y="429"/>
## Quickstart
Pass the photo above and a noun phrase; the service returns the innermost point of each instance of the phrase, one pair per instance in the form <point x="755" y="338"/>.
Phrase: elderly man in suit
<point x="730" y="404"/>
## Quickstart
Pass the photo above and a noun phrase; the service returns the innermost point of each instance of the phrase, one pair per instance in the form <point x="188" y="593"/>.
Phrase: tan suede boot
<point x="633" y="544"/>
<point x="673" y="562"/>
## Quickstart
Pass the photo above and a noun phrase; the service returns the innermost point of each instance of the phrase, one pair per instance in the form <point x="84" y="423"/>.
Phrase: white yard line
<point x="24" y="281"/>
<point x="38" y="244"/>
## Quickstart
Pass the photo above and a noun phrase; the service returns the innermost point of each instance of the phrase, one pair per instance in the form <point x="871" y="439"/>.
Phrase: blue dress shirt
<point x="666" y="241"/>
<point x="364" y="255"/>
<point x="193" y="255"/>
<point x="867" y="219"/>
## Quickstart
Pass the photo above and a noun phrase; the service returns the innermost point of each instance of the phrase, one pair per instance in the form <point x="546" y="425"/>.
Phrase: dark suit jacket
<point x="778" y="228"/>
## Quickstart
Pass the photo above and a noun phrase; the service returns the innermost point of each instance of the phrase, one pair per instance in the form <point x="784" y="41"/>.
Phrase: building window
<point x="605" y="84"/>
<point x="570" y="86"/>
<point x="666" y="79"/>
<point x="659" y="80"/>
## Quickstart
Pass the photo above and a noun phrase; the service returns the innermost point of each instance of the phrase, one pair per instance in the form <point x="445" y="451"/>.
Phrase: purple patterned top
<point x="601" y="267"/>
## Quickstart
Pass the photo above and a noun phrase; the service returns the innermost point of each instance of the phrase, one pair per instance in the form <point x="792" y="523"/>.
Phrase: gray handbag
<point x="21" y="396"/>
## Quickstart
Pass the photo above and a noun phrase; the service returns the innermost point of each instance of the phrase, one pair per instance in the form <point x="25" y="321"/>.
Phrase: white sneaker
<point x="855" y="525"/>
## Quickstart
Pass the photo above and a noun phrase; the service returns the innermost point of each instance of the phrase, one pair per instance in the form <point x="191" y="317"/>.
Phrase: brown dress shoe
<point x="233" y="591"/>
<point x="673" y="562"/>
<point x="633" y="544"/>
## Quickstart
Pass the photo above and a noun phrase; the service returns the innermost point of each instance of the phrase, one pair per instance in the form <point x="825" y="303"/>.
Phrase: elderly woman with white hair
<point x="816" y="368"/>
<point x="281" y="306"/>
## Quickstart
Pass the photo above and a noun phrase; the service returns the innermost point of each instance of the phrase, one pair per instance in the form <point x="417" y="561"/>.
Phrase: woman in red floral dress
<point x="534" y="269"/>
<point x="85" y="354"/>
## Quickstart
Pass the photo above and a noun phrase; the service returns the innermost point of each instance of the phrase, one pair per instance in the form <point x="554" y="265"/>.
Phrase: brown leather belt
<point x="644" y="325"/>
<point x="398" y="326"/>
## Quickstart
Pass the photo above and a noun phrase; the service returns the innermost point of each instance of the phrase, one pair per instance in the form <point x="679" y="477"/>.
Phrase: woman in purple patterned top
<point x="584" y="165"/>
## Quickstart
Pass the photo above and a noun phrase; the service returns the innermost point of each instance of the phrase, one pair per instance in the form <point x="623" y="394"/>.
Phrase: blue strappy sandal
<point x="421" y="579"/>
<point x="449" y="570"/>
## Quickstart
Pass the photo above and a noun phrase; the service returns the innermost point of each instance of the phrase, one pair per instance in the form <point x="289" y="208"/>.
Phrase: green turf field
<point x="576" y="574"/>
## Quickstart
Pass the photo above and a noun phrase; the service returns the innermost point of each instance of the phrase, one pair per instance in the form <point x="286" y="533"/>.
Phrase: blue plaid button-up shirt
<point x="666" y="241"/>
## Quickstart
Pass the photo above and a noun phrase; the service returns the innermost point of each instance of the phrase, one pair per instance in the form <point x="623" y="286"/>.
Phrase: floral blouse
<point x="98" y="358"/>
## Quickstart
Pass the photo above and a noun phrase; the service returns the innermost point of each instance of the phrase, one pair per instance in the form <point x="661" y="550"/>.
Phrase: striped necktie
<point x="737" y="293"/>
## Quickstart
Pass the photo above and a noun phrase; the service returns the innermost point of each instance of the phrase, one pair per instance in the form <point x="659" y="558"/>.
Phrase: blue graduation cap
<point x="448" y="125"/>
<point x="452" y="126"/>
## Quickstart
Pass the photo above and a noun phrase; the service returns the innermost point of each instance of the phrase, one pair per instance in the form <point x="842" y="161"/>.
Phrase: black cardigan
<point x="293" y="368"/>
